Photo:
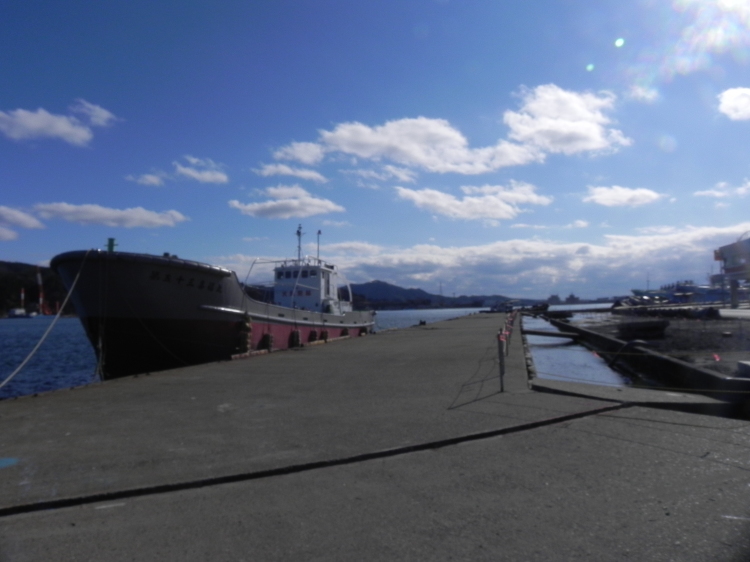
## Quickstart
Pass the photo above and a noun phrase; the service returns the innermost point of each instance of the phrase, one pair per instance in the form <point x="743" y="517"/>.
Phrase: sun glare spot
<point x="619" y="42"/>
<point x="667" y="143"/>
<point x="702" y="31"/>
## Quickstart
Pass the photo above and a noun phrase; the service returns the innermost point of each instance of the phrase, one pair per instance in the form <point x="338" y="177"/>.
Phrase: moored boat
<point x="20" y="313"/>
<point x="145" y="313"/>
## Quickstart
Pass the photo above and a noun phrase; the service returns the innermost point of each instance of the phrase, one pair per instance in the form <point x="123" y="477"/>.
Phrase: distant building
<point x="572" y="299"/>
<point x="554" y="299"/>
<point x="735" y="265"/>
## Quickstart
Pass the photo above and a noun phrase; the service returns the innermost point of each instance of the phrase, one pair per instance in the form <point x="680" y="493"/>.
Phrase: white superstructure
<point x="311" y="284"/>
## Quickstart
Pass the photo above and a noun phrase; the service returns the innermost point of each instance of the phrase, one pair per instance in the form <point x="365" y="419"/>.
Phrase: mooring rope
<point x="49" y="329"/>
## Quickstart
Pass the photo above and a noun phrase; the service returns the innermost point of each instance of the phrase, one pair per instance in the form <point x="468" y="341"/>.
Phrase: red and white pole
<point x="41" y="291"/>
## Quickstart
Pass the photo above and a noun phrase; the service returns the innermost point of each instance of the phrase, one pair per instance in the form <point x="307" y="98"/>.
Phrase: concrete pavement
<point x="393" y="446"/>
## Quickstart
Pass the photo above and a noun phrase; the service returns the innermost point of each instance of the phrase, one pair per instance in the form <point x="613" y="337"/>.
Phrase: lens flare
<point x="699" y="32"/>
<point x="619" y="42"/>
<point x="667" y="143"/>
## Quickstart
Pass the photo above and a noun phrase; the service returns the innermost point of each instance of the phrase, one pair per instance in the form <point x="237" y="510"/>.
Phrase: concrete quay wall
<point x="396" y="446"/>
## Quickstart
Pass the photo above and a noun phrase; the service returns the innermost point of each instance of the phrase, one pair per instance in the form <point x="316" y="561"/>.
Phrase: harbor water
<point x="394" y="319"/>
<point x="66" y="358"/>
<point x="562" y="359"/>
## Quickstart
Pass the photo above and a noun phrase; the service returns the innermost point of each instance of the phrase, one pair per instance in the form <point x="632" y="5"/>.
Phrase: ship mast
<point x="299" y="243"/>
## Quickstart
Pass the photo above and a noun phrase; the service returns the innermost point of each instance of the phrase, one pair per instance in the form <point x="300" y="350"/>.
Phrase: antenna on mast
<point x="319" y="233"/>
<point x="299" y="243"/>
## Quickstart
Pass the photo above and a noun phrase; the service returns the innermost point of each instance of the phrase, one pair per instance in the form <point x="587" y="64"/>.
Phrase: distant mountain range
<point x="380" y="295"/>
<point x="375" y="294"/>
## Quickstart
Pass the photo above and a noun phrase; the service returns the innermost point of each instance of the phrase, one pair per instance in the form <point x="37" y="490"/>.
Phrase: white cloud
<point x="367" y="174"/>
<point x="531" y="226"/>
<point x="723" y="190"/>
<point x="400" y="174"/>
<point x="579" y="224"/>
<point x="388" y="172"/>
<point x="136" y="217"/>
<point x="534" y="267"/>
<point x="203" y="170"/>
<point x="492" y="202"/>
<point x="560" y="121"/>
<point x="22" y="124"/>
<point x="6" y="234"/>
<point x="14" y="217"/>
<point x="644" y="94"/>
<point x="550" y="120"/>
<point x="352" y="248"/>
<point x="617" y="196"/>
<point x="97" y="115"/>
<point x="287" y="202"/>
<point x="711" y="193"/>
<point x="284" y="170"/>
<point x="735" y="103"/>
<point x="308" y="153"/>
<point x="431" y="144"/>
<point x="10" y="217"/>
<point x="662" y="229"/>
<point x="543" y="266"/>
<point x="148" y="179"/>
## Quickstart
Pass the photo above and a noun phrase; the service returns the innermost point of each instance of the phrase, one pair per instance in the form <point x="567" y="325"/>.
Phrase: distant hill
<point x="382" y="295"/>
<point x="375" y="294"/>
<point x="14" y="276"/>
<point x="382" y="291"/>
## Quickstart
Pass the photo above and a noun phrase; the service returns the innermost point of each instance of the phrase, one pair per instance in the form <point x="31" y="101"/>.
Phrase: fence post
<point x="501" y="356"/>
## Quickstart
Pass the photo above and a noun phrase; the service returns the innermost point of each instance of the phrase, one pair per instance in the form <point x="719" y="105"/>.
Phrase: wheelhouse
<point x="311" y="284"/>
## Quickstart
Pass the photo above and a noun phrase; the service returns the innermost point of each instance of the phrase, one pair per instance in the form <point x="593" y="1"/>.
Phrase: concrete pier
<point x="396" y="446"/>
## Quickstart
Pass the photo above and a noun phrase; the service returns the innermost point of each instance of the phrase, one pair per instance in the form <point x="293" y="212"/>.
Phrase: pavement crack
<point x="60" y="503"/>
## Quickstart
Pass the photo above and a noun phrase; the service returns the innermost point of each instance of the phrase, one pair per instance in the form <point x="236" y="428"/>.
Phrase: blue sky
<point x="481" y="147"/>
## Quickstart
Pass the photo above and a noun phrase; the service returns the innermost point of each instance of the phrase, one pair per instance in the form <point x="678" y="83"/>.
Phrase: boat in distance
<point x="145" y="313"/>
